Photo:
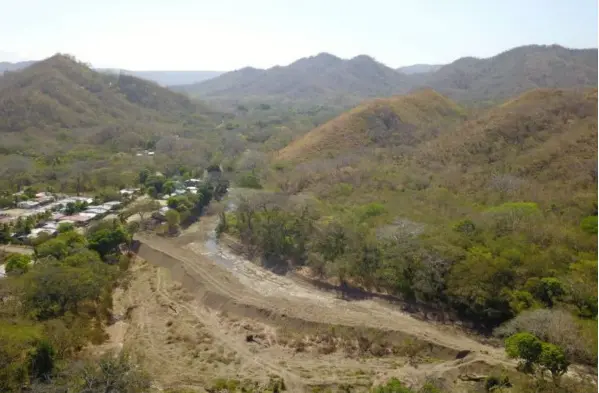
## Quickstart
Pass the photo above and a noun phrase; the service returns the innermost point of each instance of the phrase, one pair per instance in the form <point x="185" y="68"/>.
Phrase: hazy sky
<point x="230" y="34"/>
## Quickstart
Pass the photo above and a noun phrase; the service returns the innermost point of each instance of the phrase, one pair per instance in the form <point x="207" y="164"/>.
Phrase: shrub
<point x="249" y="180"/>
<point x="17" y="263"/>
<point x="525" y="347"/>
<point x="589" y="225"/>
<point x="554" y="326"/>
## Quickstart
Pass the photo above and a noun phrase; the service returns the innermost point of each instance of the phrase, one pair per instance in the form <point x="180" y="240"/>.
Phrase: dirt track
<point x="198" y="312"/>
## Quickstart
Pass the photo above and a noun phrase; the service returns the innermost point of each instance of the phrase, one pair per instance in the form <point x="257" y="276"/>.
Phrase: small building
<point x="112" y="205"/>
<point x="27" y="205"/>
<point x="79" y="219"/>
<point x="192" y="182"/>
<point x="83" y="199"/>
<point x="127" y="191"/>
<point x="45" y="200"/>
<point x="50" y="226"/>
<point x="38" y="231"/>
<point x="97" y="211"/>
<point x="57" y="216"/>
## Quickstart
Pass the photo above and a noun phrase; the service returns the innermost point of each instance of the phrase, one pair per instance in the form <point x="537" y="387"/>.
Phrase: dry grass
<point x="409" y="119"/>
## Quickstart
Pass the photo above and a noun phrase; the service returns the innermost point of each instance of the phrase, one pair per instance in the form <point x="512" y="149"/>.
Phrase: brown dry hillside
<point x="546" y="138"/>
<point x="540" y="146"/>
<point x="401" y="120"/>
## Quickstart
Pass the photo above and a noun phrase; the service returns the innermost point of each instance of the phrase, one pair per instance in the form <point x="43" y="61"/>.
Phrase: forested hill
<point x="60" y="94"/>
<point x="60" y="91"/>
<point x="329" y="79"/>
<point x="60" y="112"/>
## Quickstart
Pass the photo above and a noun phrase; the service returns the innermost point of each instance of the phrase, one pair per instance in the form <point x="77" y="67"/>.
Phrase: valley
<point x="334" y="225"/>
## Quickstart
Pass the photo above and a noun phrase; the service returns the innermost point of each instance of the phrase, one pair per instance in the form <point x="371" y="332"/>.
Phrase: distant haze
<point x="170" y="78"/>
<point x="232" y="34"/>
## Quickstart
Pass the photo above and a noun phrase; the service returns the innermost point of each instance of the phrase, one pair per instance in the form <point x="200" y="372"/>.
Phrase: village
<point x="40" y="213"/>
<point x="46" y="211"/>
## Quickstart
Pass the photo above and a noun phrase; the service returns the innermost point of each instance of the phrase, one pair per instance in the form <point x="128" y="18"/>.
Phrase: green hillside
<point x="59" y="117"/>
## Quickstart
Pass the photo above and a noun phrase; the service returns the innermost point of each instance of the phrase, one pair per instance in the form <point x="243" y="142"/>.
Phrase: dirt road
<point x="17" y="249"/>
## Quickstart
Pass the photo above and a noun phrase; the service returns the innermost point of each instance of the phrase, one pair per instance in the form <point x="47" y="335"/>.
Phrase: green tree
<point x="249" y="180"/>
<point x="50" y="289"/>
<point x="143" y="207"/>
<point x="16" y="341"/>
<point x="66" y="227"/>
<point x="553" y="359"/>
<point x="42" y="360"/>
<point x="549" y="290"/>
<point x="107" y="240"/>
<point x="155" y="184"/>
<point x="17" y="263"/>
<point x="5" y="235"/>
<point x="168" y="187"/>
<point x="525" y="347"/>
<point x="56" y="248"/>
<point x="143" y="176"/>
<point x="172" y="219"/>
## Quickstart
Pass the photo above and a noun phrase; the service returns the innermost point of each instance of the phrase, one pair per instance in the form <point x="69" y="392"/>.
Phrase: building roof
<point x="95" y="211"/>
<point x="77" y="218"/>
<point x="37" y="231"/>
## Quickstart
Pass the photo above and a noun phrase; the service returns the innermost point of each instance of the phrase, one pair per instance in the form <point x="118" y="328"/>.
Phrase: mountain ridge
<point x="468" y="79"/>
<point x="162" y="77"/>
<point x="60" y="96"/>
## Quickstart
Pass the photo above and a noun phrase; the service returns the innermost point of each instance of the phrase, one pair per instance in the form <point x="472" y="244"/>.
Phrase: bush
<point x="553" y="359"/>
<point x="249" y="180"/>
<point x="17" y="263"/>
<point x="554" y="326"/>
<point x="525" y="347"/>
<point x="589" y="225"/>
<point x="494" y="382"/>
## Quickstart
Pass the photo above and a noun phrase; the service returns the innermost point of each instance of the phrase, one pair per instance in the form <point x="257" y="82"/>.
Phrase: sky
<point x="231" y="34"/>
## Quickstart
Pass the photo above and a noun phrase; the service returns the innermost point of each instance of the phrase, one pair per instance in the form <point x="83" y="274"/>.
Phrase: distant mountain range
<point x="323" y="76"/>
<point x="168" y="78"/>
<point x="6" y="66"/>
<point x="328" y="79"/>
<point x="164" y="78"/>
